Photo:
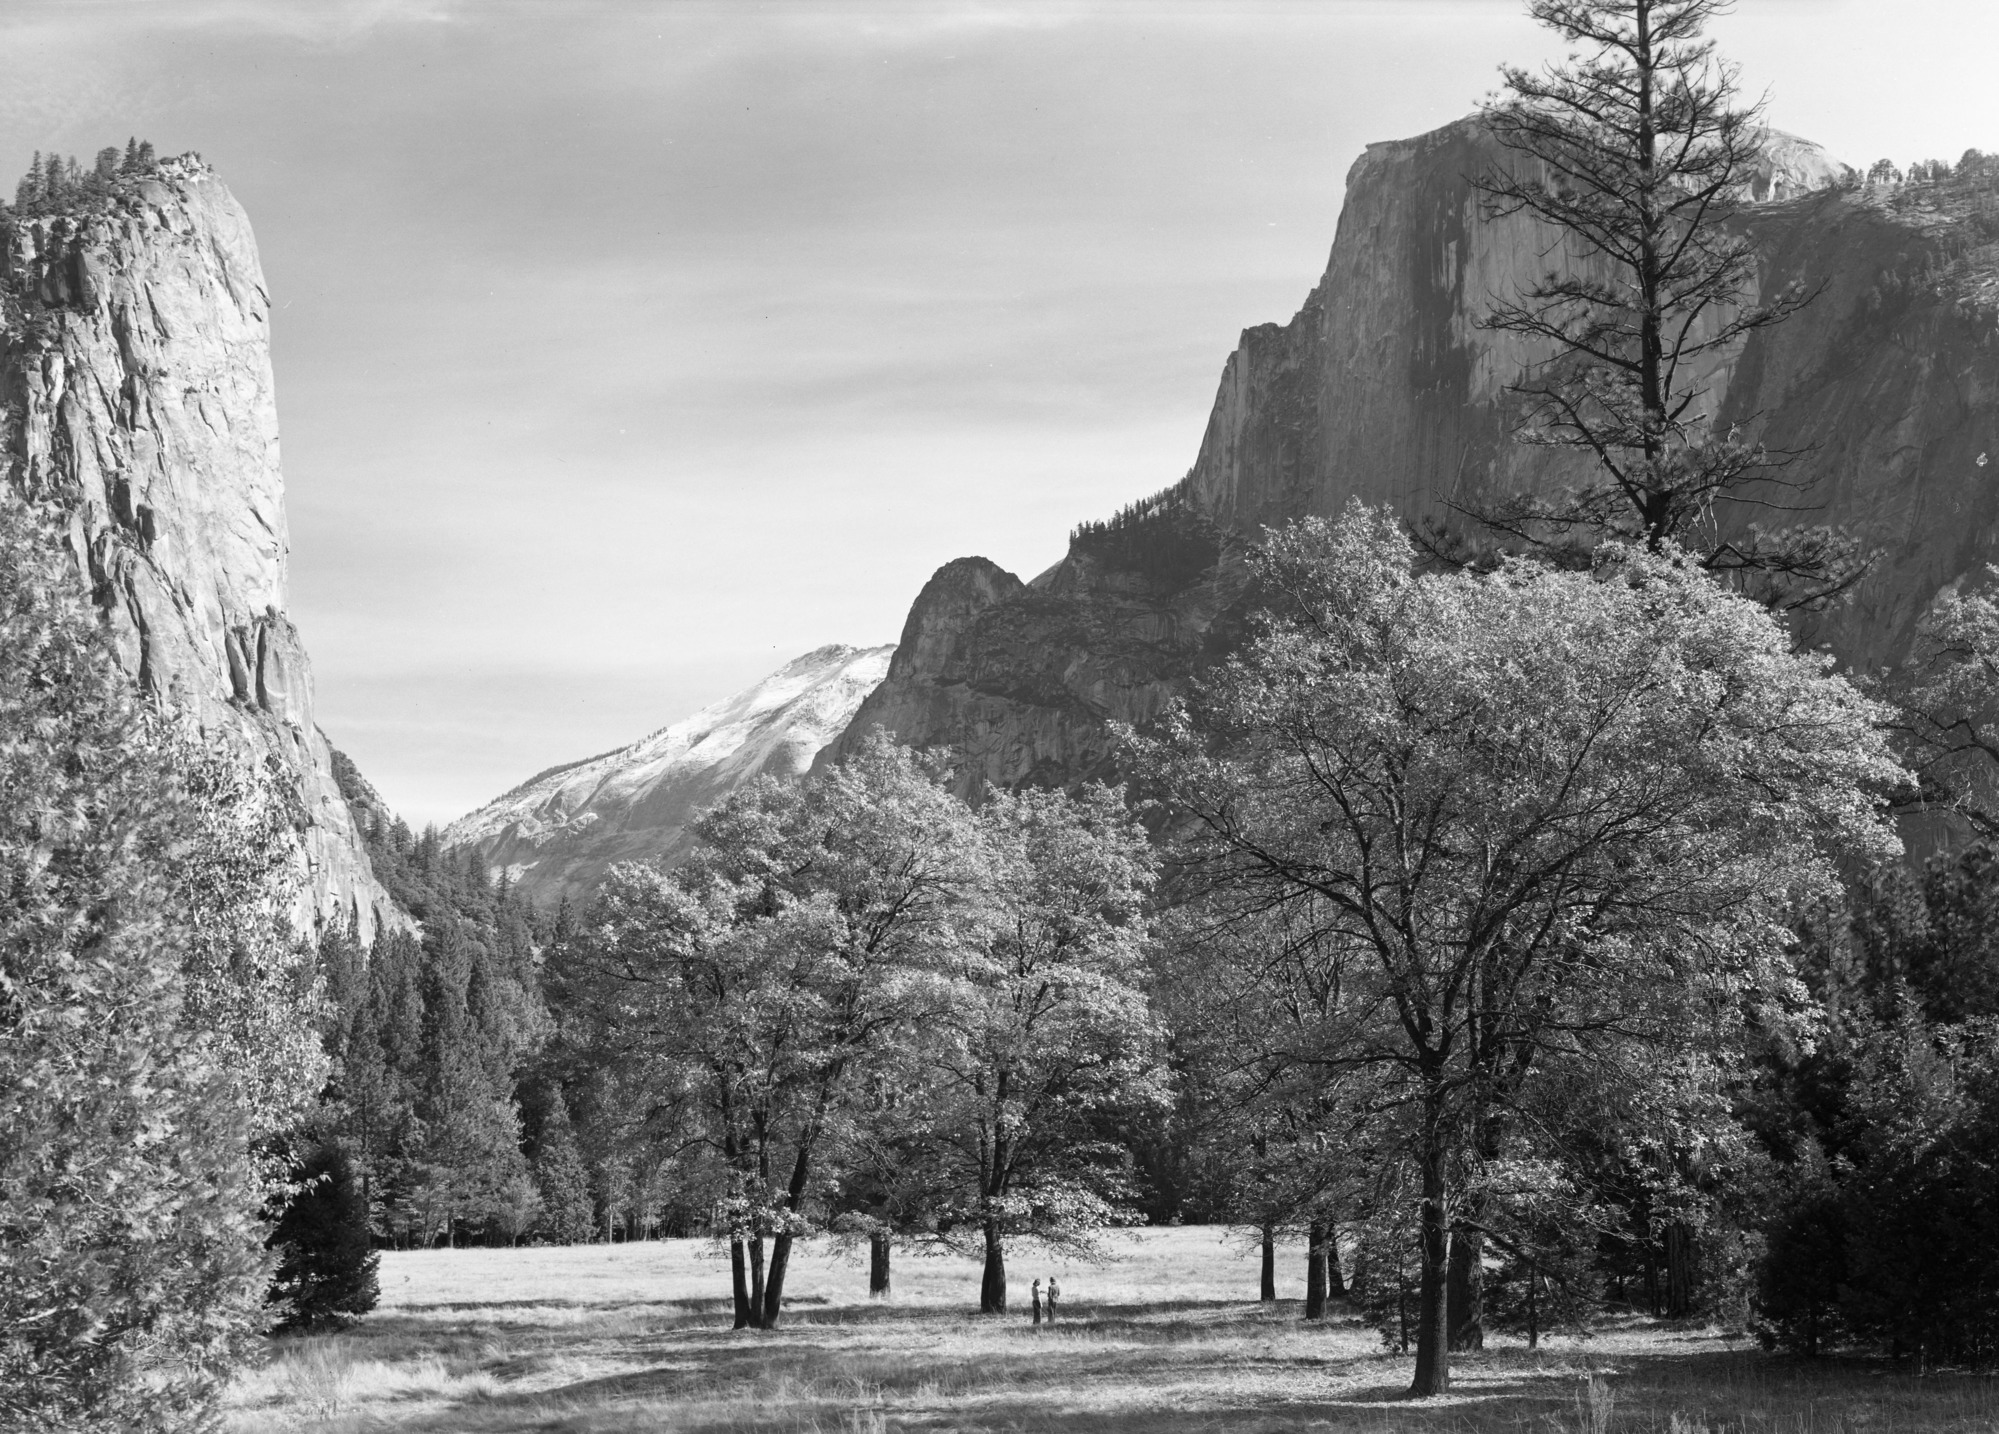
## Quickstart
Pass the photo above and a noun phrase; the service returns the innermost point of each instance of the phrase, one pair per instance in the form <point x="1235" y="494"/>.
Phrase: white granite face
<point x="138" y="400"/>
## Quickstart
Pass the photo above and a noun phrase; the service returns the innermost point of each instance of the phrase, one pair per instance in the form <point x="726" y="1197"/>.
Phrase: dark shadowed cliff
<point x="1385" y="387"/>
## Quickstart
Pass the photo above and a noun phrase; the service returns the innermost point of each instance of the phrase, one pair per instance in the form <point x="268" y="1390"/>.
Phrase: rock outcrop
<point x="554" y="835"/>
<point x="1385" y="387"/>
<point x="1021" y="679"/>
<point x="136" y="400"/>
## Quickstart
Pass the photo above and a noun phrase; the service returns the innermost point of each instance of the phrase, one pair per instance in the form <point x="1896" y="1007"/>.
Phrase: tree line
<point x="55" y="184"/>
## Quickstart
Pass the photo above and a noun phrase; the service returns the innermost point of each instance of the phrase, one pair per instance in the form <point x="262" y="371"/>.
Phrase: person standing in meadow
<point x="1054" y="1293"/>
<point x="1037" y="1302"/>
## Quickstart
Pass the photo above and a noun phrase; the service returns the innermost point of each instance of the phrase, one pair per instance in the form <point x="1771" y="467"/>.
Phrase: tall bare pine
<point x="1639" y="149"/>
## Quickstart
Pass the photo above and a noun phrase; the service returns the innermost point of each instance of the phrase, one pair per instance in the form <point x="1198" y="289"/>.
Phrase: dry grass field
<point x="1160" y="1337"/>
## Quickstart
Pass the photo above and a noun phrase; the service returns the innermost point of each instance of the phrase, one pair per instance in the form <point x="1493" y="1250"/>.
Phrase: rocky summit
<point x="1385" y="387"/>
<point x="554" y="835"/>
<point x="136" y="401"/>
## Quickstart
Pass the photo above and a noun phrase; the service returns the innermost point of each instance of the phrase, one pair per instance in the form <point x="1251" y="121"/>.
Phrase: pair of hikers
<point x="1054" y="1295"/>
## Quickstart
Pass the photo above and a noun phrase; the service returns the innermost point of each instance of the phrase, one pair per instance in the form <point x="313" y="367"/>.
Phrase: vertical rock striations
<point x="1385" y="387"/>
<point x="136" y="399"/>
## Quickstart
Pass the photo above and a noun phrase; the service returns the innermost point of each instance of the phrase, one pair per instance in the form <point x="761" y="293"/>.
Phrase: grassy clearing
<point x="1158" y="1340"/>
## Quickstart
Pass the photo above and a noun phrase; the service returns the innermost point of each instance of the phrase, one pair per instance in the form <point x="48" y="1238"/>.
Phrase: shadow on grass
<point x="1119" y="1369"/>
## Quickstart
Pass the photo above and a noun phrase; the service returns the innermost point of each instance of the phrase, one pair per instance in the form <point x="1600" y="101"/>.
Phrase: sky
<point x="625" y="351"/>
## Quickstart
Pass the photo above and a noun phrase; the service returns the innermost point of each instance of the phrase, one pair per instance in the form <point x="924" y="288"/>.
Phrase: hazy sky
<point x="627" y="350"/>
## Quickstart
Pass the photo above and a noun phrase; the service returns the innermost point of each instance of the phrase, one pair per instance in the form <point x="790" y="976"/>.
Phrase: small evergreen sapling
<point x="326" y="1269"/>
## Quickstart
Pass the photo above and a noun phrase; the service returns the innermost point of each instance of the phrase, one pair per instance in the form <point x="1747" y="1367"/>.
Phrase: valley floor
<point x="1159" y="1339"/>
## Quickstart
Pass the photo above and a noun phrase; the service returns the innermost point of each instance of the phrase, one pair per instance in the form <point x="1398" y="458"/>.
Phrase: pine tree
<point x="326" y="1266"/>
<point x="1638" y="151"/>
<point x="566" y="1213"/>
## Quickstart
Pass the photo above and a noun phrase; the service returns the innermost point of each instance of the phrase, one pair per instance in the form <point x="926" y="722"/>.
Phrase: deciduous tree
<point x="746" y="990"/>
<point x="1543" y="818"/>
<point x="1046" y="1031"/>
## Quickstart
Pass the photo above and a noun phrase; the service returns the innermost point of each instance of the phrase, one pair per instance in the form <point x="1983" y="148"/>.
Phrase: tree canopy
<point x="146" y="1027"/>
<point x="1522" y="823"/>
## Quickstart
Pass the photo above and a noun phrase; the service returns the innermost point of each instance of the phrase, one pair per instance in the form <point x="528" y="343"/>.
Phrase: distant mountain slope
<point x="555" y="834"/>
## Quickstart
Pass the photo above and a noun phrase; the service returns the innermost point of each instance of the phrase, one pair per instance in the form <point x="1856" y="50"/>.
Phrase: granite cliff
<point x="136" y="401"/>
<point x="1384" y="387"/>
<point x="554" y="835"/>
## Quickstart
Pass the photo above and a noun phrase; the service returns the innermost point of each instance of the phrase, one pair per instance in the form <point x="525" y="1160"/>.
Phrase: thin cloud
<point x="322" y="22"/>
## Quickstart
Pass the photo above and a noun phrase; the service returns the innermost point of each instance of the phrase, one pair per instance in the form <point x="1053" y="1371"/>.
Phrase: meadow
<point x="1164" y="1335"/>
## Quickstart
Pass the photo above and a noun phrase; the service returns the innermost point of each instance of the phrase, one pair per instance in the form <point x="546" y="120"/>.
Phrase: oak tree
<point x="1541" y="818"/>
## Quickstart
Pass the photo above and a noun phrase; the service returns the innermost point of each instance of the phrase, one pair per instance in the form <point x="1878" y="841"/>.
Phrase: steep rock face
<point x="1021" y="680"/>
<point x="136" y="399"/>
<point x="555" y="834"/>
<point x="1385" y="387"/>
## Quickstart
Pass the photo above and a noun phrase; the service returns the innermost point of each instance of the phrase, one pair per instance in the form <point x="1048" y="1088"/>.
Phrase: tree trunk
<point x="780" y="1260"/>
<point x="1267" y="1291"/>
<point x="878" y="1265"/>
<point x="992" y="1288"/>
<point x="1315" y="1272"/>
<point x="1401" y="1309"/>
<point x="739" y="1279"/>
<point x="1336" y="1281"/>
<point x="1433" y="1353"/>
<point x="1533" y="1311"/>
<point x="1465" y="1296"/>
<point x="757" y="1282"/>
<point x="1679" y="1270"/>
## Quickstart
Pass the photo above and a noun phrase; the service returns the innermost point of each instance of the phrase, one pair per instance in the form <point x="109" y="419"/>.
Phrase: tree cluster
<point x="1884" y="1129"/>
<point x="58" y="185"/>
<point x="1493" y="874"/>
<point x="435" y="1034"/>
<point x="1164" y="537"/>
<point x="862" y="1006"/>
<point x="1972" y="167"/>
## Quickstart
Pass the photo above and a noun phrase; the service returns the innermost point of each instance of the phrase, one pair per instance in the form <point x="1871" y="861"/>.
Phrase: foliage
<point x="55" y="185"/>
<point x="560" y="1178"/>
<point x="132" y="1259"/>
<point x="327" y="1265"/>
<point x="1887" y="1127"/>
<point x="1164" y="537"/>
<point x="1637" y="150"/>
<point x="1044" y="1027"/>
<point x="1531" y="827"/>
<point x="1947" y="693"/>
<point x="435" y="1036"/>
<point x="739" y="998"/>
